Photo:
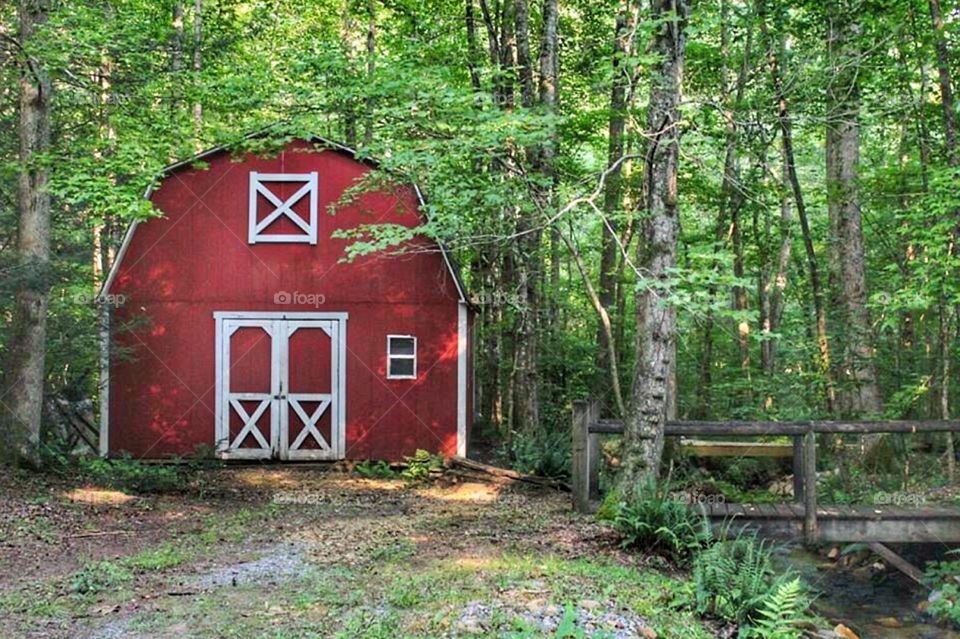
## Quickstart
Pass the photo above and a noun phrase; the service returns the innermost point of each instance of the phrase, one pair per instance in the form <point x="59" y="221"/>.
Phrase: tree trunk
<point x="197" y="66"/>
<point x="946" y="86"/>
<point x="732" y="191"/>
<point x="21" y="396"/>
<point x="953" y="157"/>
<point x="731" y="200"/>
<point x="860" y="393"/>
<point x="473" y="56"/>
<point x="816" y="286"/>
<point x="176" y="52"/>
<point x="657" y="255"/>
<point x="944" y="341"/>
<point x="371" y="69"/>
<point x="524" y="63"/>
<point x="777" y="283"/>
<point x="625" y="27"/>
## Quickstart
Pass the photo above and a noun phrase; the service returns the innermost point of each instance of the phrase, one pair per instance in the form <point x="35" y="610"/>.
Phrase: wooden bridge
<point x="803" y="519"/>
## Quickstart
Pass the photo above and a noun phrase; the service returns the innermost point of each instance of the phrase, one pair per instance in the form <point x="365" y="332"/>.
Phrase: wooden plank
<point x="843" y="523"/>
<point x="579" y="467"/>
<point x="810" y="488"/>
<point x="898" y="562"/>
<point x="767" y="511"/>
<point x="887" y="426"/>
<point x="784" y="511"/>
<point x="744" y="428"/>
<point x="702" y="448"/>
<point x="607" y="427"/>
<point x="890" y="530"/>
<point x="593" y="460"/>
<point x="798" y="469"/>
<point x="739" y="428"/>
<point x="716" y="510"/>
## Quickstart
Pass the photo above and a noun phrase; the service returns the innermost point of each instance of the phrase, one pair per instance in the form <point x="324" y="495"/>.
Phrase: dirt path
<point x="294" y="552"/>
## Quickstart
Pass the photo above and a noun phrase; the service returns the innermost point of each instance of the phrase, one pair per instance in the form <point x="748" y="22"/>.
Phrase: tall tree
<point x="946" y="315"/>
<point x="859" y="391"/>
<point x="527" y="262"/>
<point x="785" y="122"/>
<point x="620" y="94"/>
<point x="22" y="390"/>
<point x="657" y="253"/>
<point x="197" y="67"/>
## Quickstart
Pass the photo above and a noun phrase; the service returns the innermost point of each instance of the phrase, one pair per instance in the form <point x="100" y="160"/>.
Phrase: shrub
<point x="944" y="579"/>
<point x="126" y="473"/>
<point x="419" y="466"/>
<point x="546" y="454"/>
<point x="745" y="472"/>
<point x="376" y="469"/>
<point x="654" y="521"/>
<point x="735" y="580"/>
<point x="97" y="577"/>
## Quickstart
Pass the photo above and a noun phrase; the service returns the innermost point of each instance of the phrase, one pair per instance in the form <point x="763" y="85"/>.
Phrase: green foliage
<point x="540" y="453"/>
<point x="746" y="472"/>
<point x="735" y="580"/>
<point x="780" y="611"/>
<point x="375" y="469"/>
<point x="567" y="628"/>
<point x="166" y="556"/>
<point x="943" y="577"/>
<point x="419" y="466"/>
<point x="97" y="577"/>
<point x="126" y="473"/>
<point x="654" y="521"/>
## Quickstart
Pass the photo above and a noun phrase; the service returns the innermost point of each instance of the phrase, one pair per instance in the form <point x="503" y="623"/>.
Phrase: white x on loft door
<point x="280" y="386"/>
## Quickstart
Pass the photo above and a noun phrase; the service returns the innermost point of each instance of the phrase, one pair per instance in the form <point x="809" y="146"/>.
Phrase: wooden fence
<point x="588" y="427"/>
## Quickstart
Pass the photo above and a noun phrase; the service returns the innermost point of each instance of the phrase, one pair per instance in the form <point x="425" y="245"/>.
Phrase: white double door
<point x="280" y="385"/>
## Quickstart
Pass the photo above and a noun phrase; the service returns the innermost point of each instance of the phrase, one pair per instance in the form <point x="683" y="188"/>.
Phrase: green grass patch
<point x="162" y="558"/>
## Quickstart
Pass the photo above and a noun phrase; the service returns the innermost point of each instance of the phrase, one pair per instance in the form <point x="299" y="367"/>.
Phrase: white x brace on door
<point x="280" y="382"/>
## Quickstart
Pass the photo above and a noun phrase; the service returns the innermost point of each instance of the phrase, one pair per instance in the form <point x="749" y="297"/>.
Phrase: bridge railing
<point x="588" y="427"/>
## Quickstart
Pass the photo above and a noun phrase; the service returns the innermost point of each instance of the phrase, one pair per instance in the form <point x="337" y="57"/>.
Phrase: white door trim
<point x="335" y="326"/>
<point x="462" y="342"/>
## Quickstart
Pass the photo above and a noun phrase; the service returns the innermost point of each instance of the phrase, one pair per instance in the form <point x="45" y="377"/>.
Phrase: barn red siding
<point x="178" y="270"/>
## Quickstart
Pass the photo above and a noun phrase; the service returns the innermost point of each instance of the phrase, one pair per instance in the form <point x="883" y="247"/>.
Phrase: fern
<point x="780" y="612"/>
<point x="656" y="522"/>
<point x="732" y="577"/>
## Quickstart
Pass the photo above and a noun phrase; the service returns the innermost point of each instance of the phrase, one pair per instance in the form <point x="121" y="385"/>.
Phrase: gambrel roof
<point x="331" y="145"/>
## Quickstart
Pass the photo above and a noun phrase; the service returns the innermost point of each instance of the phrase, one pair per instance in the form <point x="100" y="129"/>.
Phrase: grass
<point x="158" y="559"/>
<point x="404" y="562"/>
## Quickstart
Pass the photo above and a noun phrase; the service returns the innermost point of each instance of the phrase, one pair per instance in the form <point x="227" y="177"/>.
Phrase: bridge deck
<point x="885" y="524"/>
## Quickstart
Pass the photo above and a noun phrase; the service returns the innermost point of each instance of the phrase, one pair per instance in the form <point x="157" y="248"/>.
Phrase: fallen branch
<point x="100" y="533"/>
<point x="507" y="474"/>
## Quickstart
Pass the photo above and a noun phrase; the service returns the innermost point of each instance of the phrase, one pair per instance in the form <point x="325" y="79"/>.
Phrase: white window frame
<point x="392" y="356"/>
<point x="258" y="186"/>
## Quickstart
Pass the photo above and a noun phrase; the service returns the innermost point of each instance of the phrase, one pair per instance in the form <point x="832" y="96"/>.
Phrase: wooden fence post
<point x="580" y="466"/>
<point x="585" y="454"/>
<point x="798" y="469"/>
<point x="810" y="532"/>
<point x="593" y="454"/>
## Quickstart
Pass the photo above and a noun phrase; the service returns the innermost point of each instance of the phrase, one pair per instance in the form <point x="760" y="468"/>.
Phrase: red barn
<point x="235" y="323"/>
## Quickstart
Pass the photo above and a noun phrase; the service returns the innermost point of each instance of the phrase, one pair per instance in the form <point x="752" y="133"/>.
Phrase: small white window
<point x="267" y="217"/>
<point x="401" y="357"/>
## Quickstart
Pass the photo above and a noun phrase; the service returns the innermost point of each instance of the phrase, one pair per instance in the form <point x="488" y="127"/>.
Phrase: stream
<point x="875" y="605"/>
